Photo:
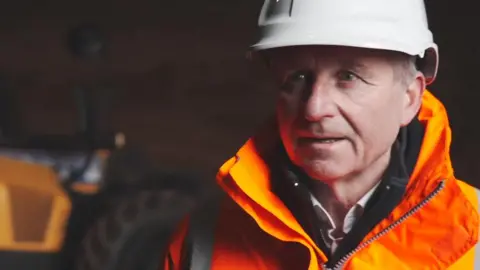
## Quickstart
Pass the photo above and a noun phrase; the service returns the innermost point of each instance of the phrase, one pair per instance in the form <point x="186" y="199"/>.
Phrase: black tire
<point x="134" y="232"/>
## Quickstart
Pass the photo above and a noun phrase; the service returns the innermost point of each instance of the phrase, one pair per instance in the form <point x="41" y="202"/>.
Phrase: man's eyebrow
<point x="356" y="65"/>
<point x="296" y="63"/>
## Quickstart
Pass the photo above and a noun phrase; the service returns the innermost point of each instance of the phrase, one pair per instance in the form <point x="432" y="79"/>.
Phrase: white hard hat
<point x="396" y="25"/>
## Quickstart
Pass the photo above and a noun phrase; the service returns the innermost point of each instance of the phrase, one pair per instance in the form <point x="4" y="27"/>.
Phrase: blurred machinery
<point x="83" y="201"/>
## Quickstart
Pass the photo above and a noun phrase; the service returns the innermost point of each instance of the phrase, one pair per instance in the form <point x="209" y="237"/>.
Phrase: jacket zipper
<point x="415" y="209"/>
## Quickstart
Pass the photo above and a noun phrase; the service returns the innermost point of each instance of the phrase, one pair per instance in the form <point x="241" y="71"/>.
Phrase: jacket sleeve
<point x="471" y="260"/>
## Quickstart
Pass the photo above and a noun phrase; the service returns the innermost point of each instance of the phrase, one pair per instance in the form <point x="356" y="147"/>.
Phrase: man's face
<point x="340" y="109"/>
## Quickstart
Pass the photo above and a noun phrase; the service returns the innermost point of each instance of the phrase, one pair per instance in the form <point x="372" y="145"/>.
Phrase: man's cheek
<point x="287" y="106"/>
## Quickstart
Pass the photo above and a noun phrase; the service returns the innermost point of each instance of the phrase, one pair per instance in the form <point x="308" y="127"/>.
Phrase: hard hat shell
<point x="395" y="25"/>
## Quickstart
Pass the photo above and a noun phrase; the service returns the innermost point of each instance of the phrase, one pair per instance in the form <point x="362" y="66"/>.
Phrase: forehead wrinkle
<point x="302" y="60"/>
<point x="315" y="57"/>
<point x="320" y="58"/>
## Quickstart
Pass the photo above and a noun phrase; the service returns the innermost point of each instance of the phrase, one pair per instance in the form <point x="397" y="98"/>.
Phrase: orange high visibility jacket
<point x="435" y="225"/>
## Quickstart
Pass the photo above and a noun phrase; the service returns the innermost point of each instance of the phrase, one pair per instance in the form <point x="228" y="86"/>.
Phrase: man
<point x="354" y="172"/>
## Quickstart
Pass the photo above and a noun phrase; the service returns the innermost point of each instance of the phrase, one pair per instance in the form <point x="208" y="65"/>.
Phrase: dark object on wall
<point x="86" y="41"/>
<point x="87" y="137"/>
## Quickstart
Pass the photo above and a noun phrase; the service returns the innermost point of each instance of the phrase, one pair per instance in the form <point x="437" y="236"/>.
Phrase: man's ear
<point x="413" y="98"/>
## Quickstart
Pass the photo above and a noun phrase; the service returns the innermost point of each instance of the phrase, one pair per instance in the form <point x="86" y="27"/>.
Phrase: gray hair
<point x="406" y="68"/>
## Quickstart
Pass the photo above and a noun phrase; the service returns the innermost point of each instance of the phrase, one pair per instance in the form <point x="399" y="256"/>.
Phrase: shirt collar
<point x="352" y="215"/>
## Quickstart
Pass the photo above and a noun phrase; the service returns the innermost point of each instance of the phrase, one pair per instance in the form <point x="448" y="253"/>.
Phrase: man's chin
<point x="322" y="171"/>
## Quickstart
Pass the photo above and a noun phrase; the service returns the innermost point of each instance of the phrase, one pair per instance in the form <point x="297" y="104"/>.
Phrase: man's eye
<point x="346" y="76"/>
<point x="298" y="77"/>
<point x="297" y="81"/>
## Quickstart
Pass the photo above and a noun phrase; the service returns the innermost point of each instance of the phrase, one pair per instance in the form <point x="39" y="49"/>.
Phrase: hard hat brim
<point x="301" y="35"/>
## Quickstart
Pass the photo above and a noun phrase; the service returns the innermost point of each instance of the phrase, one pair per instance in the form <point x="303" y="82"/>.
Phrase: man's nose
<point x="319" y="103"/>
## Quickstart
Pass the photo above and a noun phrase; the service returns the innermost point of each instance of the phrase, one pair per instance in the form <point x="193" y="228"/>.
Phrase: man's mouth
<point x="325" y="140"/>
<point x="329" y="140"/>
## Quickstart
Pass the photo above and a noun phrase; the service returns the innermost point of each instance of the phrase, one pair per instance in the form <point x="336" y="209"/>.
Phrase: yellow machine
<point x="78" y="202"/>
<point x="48" y="225"/>
<point x="33" y="208"/>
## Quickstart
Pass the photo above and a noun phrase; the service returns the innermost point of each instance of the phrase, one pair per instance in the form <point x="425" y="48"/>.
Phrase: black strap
<point x="170" y="262"/>
<point x="198" y="247"/>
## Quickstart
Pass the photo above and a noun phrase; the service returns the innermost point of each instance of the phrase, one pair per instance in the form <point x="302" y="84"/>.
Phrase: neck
<point x="341" y="194"/>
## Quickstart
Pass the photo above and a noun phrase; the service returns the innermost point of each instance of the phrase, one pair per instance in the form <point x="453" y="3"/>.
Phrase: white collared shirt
<point x="334" y="235"/>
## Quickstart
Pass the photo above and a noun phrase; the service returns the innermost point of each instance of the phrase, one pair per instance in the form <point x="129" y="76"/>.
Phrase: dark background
<point x="183" y="88"/>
